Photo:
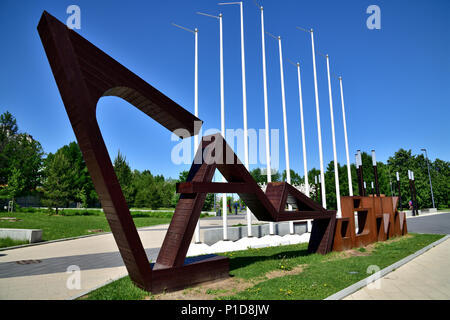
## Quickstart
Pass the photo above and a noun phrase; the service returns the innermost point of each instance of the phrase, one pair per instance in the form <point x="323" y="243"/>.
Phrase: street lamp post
<point x="429" y="176"/>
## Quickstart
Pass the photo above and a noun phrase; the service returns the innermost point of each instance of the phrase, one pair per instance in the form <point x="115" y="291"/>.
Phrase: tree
<point x="82" y="187"/>
<point x="18" y="151"/>
<point x="16" y="184"/>
<point x="261" y="178"/>
<point x="125" y="177"/>
<point x="296" y="179"/>
<point x="57" y="185"/>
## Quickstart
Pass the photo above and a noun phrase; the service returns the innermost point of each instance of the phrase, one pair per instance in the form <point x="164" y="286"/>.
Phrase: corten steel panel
<point x="84" y="74"/>
<point x="343" y="238"/>
<point x="378" y="217"/>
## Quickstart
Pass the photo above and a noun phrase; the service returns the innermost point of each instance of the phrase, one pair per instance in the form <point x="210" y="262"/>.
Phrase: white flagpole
<point x="244" y="106"/>
<point x="196" y="137"/>
<point x="319" y="132"/>
<point x="349" y="171"/>
<point x="286" y="142"/>
<point x="305" y="165"/>
<point x="222" y="119"/>
<point x="336" y="169"/>
<point x="266" y="111"/>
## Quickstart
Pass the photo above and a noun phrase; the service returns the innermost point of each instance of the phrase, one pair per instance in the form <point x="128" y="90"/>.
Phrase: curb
<point x="364" y="282"/>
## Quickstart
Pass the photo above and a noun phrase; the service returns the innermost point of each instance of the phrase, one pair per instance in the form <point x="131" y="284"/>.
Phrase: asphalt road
<point x="438" y="224"/>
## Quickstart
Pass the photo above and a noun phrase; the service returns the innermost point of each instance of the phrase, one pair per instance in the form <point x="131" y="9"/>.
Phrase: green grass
<point x="321" y="276"/>
<point x="72" y="223"/>
<point x="8" y="242"/>
<point x="122" y="289"/>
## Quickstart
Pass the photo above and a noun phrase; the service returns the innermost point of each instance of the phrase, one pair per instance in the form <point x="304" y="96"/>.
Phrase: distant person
<point x="410" y="203"/>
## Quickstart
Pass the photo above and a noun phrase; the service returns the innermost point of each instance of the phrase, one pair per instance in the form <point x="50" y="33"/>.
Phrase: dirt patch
<point x="95" y="231"/>
<point x="10" y="219"/>
<point x="282" y="273"/>
<point x="220" y="288"/>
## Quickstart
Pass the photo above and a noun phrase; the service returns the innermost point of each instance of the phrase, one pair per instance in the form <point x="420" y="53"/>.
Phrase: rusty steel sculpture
<point x="84" y="74"/>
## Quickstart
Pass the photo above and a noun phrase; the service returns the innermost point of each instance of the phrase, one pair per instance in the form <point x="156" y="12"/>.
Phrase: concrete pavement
<point x="426" y="277"/>
<point x="40" y="271"/>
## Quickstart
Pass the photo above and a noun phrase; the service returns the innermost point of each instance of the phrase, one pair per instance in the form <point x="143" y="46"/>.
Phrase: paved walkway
<point x="99" y="261"/>
<point x="97" y="257"/>
<point x="427" y="277"/>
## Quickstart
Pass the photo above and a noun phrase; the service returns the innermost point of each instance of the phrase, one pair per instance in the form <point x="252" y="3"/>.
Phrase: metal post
<point x="286" y="141"/>
<point x="305" y="165"/>
<point x="222" y="117"/>
<point x="196" y="137"/>
<point x="360" y="192"/>
<point x="266" y="110"/>
<point x="319" y="132"/>
<point x="375" y="173"/>
<point x="411" y="192"/>
<point x="244" y="105"/>
<point x="415" y="204"/>
<point x="399" y="191"/>
<point x="349" y="172"/>
<point x="361" y="173"/>
<point x="333" y="138"/>
<point x="429" y="177"/>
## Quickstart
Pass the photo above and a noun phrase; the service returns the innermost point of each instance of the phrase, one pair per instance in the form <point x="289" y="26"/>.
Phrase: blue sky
<point x="396" y="80"/>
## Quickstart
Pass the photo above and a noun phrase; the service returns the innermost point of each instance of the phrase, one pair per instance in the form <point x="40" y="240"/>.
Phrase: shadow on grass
<point x="244" y="261"/>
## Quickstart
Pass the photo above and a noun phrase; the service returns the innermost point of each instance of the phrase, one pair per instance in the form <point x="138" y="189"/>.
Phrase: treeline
<point x="62" y="178"/>
<point x="401" y="161"/>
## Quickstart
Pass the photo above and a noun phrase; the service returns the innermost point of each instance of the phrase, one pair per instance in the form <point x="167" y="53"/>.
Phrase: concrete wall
<point x="213" y="235"/>
<point x="30" y="235"/>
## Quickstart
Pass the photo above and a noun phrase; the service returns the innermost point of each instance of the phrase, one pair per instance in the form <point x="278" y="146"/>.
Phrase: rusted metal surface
<point x="378" y="220"/>
<point x="84" y="74"/>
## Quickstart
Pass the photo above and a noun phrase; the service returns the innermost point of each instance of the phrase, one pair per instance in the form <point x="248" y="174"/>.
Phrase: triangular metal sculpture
<point x="84" y="74"/>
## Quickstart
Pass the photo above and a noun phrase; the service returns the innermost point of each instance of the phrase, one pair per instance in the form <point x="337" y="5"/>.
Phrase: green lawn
<point x="284" y="272"/>
<point x="8" y="242"/>
<point x="72" y="223"/>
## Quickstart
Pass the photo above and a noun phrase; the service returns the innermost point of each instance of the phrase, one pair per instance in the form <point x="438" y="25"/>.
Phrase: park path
<point x="40" y="271"/>
<point x="426" y="277"/>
